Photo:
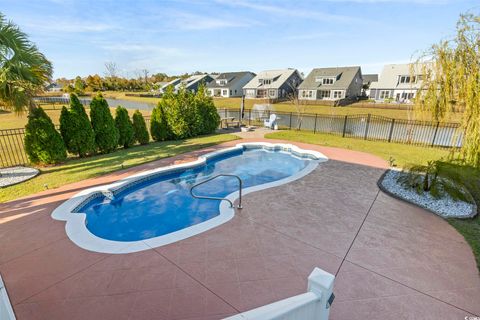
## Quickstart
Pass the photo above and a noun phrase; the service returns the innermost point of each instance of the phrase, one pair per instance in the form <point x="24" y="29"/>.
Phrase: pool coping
<point x="78" y="233"/>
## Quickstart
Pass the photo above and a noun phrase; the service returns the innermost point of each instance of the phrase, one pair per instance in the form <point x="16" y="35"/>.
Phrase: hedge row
<point x="80" y="135"/>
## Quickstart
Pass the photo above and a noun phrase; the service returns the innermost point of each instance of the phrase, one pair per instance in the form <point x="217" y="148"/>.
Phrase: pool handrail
<point x="240" y="184"/>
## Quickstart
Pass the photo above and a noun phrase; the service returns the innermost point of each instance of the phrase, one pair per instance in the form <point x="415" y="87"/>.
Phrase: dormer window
<point x="407" y="79"/>
<point x="222" y="82"/>
<point x="325" y="80"/>
<point x="266" y="81"/>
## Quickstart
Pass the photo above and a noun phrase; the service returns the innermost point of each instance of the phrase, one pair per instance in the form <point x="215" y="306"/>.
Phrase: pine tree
<point x="125" y="128"/>
<point x="43" y="144"/>
<point x="76" y="130"/>
<point x="159" y="128"/>
<point x="140" y="128"/>
<point x="106" y="134"/>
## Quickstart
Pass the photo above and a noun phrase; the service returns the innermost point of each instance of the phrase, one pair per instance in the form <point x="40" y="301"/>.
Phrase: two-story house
<point x="229" y="84"/>
<point x="399" y="82"/>
<point x="332" y="84"/>
<point x="273" y="84"/>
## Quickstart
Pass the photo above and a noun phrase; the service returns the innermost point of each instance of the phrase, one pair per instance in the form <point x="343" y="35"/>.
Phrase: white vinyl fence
<point x="6" y="311"/>
<point x="312" y="305"/>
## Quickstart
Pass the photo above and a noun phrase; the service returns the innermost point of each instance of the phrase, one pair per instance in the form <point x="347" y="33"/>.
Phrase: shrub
<point x="106" y="134"/>
<point x="43" y="144"/>
<point x="76" y="130"/>
<point x="140" y="128"/>
<point x="159" y="128"/>
<point x="208" y="118"/>
<point x="180" y="118"/>
<point x="124" y="127"/>
<point x="436" y="178"/>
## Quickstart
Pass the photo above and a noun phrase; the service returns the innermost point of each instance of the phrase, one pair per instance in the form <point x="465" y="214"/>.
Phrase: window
<point x="324" y="80"/>
<point x="222" y="82"/>
<point x="337" y="94"/>
<point x="384" y="94"/>
<point x="307" y="94"/>
<point x="224" y="92"/>
<point x="408" y="79"/>
<point x="324" y="94"/>
<point x="271" y="93"/>
<point x="250" y="92"/>
<point x="265" y="81"/>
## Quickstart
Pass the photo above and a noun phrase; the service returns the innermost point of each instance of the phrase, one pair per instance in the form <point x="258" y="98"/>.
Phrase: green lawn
<point x="80" y="169"/>
<point x="10" y="120"/>
<point x="404" y="155"/>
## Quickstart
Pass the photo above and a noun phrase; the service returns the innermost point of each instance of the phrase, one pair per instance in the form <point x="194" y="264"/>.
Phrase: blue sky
<point x="228" y="35"/>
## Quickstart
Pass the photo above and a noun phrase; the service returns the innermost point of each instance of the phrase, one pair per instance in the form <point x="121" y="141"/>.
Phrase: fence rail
<point x="360" y="126"/>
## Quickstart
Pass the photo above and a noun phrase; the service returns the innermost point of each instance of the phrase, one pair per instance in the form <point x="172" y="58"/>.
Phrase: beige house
<point x="398" y="82"/>
<point x="335" y="83"/>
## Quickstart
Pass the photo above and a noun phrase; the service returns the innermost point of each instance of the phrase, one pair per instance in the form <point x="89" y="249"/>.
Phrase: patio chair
<point x="270" y="123"/>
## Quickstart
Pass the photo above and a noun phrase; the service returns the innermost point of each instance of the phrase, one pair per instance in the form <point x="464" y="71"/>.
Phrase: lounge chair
<point x="270" y="123"/>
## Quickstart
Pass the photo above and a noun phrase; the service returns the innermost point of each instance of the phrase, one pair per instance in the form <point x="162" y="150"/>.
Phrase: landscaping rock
<point x="14" y="175"/>
<point x="445" y="207"/>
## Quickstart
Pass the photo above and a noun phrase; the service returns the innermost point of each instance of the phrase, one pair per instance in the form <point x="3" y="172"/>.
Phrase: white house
<point x="272" y="84"/>
<point x="399" y="82"/>
<point x="229" y="84"/>
<point x="53" y="87"/>
<point x="193" y="82"/>
<point x="335" y="83"/>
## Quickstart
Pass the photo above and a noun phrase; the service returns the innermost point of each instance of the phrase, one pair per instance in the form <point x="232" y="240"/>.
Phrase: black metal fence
<point x="360" y="126"/>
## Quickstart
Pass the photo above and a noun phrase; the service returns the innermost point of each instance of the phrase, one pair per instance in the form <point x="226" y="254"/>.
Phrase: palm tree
<point x="23" y="69"/>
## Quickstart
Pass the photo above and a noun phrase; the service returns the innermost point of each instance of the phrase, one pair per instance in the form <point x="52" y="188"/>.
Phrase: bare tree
<point x="296" y="101"/>
<point x="145" y="75"/>
<point x="111" y="69"/>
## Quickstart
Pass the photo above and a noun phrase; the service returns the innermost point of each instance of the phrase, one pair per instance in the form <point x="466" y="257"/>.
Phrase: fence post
<point x="290" y="120"/>
<point x="366" y="127"/>
<point x="225" y="112"/>
<point x="315" y="126"/>
<point x="435" y="134"/>
<point x="344" y="126"/>
<point x="249" y="116"/>
<point x="391" y="130"/>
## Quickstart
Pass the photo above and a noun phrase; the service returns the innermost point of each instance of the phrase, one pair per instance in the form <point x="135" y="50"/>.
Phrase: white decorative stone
<point x="445" y="207"/>
<point x="14" y="175"/>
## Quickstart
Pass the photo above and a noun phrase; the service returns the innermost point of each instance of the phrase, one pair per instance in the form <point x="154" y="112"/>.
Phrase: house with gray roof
<point x="53" y="87"/>
<point x="272" y="84"/>
<point x="229" y="84"/>
<point x="169" y="84"/>
<point x="399" y="82"/>
<point x="333" y="84"/>
<point x="367" y="81"/>
<point x="193" y="82"/>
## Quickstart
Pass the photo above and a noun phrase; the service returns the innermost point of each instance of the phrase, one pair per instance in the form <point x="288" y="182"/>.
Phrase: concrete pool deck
<point x="392" y="260"/>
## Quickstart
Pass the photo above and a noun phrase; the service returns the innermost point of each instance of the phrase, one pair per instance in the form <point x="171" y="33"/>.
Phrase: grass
<point x="405" y="155"/>
<point x="80" y="169"/>
<point x="10" y="120"/>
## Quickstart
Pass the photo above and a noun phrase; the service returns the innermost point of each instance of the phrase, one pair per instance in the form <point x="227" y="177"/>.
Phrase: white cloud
<point x="298" y="12"/>
<point x="188" y="21"/>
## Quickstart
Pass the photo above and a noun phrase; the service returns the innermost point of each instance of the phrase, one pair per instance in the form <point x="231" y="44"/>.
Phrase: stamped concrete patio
<point x="392" y="260"/>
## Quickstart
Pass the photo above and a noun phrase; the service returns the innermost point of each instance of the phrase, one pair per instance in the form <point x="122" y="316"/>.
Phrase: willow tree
<point x="23" y="69"/>
<point x="452" y="84"/>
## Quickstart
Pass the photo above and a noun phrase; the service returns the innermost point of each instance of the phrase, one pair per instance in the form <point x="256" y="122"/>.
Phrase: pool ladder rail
<point x="240" y="184"/>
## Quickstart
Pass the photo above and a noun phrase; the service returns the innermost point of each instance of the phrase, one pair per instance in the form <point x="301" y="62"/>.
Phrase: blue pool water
<point x="164" y="204"/>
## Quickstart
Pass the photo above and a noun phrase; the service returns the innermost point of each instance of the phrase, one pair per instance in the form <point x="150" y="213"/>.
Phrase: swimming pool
<point x="155" y="208"/>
